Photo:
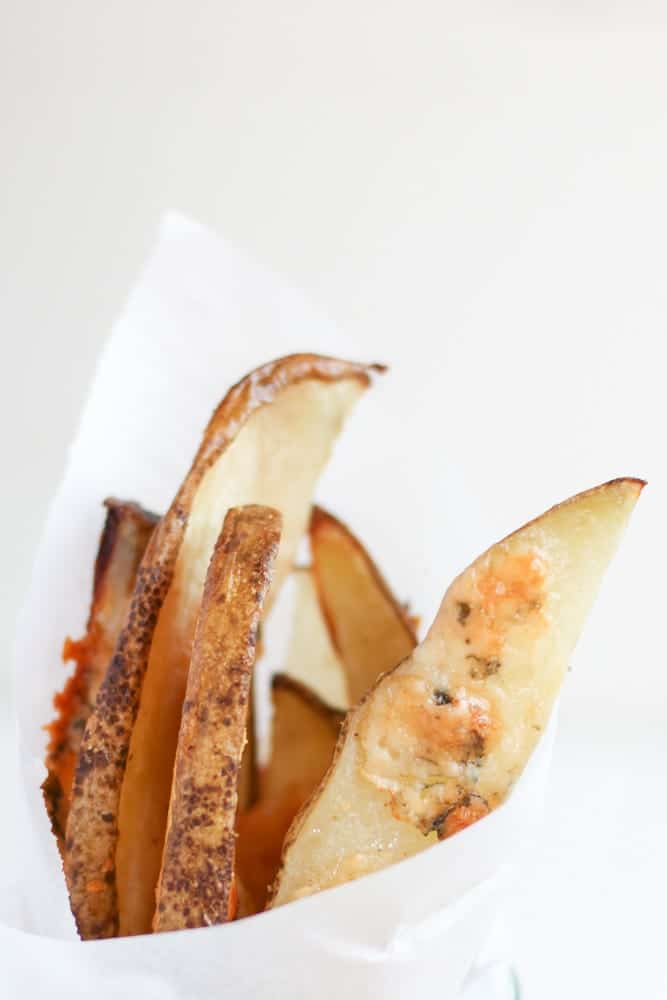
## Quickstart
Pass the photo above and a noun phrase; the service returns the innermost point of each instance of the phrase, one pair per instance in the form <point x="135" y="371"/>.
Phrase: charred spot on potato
<point x="476" y="747"/>
<point x="457" y="817"/>
<point x="463" y="612"/>
<point x="482" y="666"/>
<point x="53" y="797"/>
<point x="419" y="742"/>
<point x="89" y="760"/>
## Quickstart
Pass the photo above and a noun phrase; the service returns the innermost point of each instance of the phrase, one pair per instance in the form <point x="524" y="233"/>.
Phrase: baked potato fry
<point x="369" y="628"/>
<point x="195" y="887"/>
<point x="442" y="738"/>
<point x="304" y="734"/>
<point x="266" y="443"/>
<point x="127" y="528"/>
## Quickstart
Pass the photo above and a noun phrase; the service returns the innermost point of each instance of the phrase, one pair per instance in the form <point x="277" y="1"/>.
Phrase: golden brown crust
<point x="127" y="529"/>
<point x="369" y="628"/>
<point x="195" y="885"/>
<point x="260" y="388"/>
<point x="92" y="830"/>
<point x="323" y="521"/>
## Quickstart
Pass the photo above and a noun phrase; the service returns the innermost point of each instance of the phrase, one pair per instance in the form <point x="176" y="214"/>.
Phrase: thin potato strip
<point x="266" y="443"/>
<point x="197" y="877"/>
<point x="127" y="529"/>
<point x="442" y="738"/>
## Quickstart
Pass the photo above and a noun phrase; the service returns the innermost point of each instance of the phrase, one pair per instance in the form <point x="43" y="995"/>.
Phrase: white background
<point x="480" y="196"/>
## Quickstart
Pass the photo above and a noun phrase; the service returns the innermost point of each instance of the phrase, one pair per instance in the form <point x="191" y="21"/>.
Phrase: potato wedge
<point x="127" y="529"/>
<point x="304" y="734"/>
<point x="266" y="443"/>
<point x="303" y="737"/>
<point x="197" y="877"/>
<point x="442" y="738"/>
<point x="370" y="630"/>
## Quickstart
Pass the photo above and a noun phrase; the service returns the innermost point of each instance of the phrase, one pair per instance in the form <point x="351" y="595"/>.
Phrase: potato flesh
<point x="403" y="764"/>
<point x="275" y="460"/>
<point x="311" y="657"/>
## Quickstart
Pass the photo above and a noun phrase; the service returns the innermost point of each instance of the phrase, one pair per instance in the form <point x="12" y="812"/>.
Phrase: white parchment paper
<point x="201" y="316"/>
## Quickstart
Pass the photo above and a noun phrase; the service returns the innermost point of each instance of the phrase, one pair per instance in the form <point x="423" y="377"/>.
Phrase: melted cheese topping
<point x="435" y="727"/>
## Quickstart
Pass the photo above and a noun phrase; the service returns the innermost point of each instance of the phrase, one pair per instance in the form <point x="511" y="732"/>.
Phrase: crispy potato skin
<point x="369" y="629"/>
<point x="127" y="529"/>
<point x="92" y="830"/>
<point x="196" y="881"/>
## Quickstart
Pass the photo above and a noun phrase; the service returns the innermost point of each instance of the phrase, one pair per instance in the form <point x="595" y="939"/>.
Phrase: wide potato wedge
<point x="370" y="630"/>
<point x="442" y="738"/>
<point x="196" y="883"/>
<point x="127" y="529"/>
<point x="266" y="443"/>
<point x="303" y="738"/>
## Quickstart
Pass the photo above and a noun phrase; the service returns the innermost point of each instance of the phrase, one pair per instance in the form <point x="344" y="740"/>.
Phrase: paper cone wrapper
<point x="200" y="317"/>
